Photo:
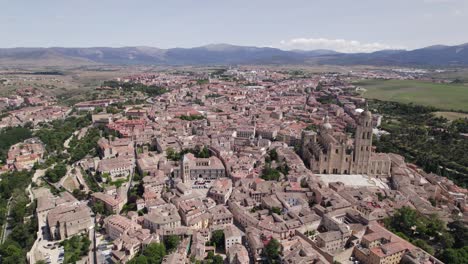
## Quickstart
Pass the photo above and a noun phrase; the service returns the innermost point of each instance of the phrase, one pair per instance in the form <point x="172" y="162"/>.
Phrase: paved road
<point x="5" y="232"/>
<point x="81" y="179"/>
<point x="36" y="176"/>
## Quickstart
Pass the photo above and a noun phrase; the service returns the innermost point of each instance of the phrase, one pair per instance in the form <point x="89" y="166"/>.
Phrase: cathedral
<point x="330" y="152"/>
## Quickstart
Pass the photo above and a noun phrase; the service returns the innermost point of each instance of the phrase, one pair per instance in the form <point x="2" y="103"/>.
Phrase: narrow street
<point x="5" y="230"/>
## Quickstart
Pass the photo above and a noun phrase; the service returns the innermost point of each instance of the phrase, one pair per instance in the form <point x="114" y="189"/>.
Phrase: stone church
<point x="329" y="152"/>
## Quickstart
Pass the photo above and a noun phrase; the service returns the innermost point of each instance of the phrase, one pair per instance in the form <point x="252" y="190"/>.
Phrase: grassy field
<point x="441" y="96"/>
<point x="451" y="115"/>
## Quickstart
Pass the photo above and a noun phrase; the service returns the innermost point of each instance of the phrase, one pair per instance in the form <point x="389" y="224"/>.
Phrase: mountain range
<point x="225" y="54"/>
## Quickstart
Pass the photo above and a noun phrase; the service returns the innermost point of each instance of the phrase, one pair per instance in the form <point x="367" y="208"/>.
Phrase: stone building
<point x="221" y="190"/>
<point x="69" y="219"/>
<point x="232" y="236"/>
<point x="193" y="168"/>
<point x="331" y="152"/>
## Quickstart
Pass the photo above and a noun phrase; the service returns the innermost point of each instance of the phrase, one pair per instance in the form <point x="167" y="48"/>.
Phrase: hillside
<point x="224" y="54"/>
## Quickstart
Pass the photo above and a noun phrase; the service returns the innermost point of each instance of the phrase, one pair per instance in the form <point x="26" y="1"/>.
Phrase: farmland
<point x="452" y="97"/>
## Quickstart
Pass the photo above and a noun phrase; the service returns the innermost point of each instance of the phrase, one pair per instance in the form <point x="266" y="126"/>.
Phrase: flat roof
<point x="356" y="180"/>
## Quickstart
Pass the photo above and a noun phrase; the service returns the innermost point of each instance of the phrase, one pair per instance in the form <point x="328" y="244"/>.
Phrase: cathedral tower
<point x="363" y="143"/>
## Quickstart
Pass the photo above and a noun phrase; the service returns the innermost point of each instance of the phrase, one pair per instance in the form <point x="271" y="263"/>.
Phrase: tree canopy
<point x="430" y="233"/>
<point x="152" y="254"/>
<point x="272" y="251"/>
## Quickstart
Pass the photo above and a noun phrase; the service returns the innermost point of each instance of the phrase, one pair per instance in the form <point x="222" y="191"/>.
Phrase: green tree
<point x="270" y="174"/>
<point x="12" y="255"/>
<point x="276" y="210"/>
<point x="217" y="259"/>
<point x="139" y="260"/>
<point x="56" y="173"/>
<point x="424" y="246"/>
<point x="404" y="219"/>
<point x="217" y="238"/>
<point x="154" y="253"/>
<point x="171" y="242"/>
<point x="214" y="259"/>
<point x="459" y="232"/>
<point x="98" y="208"/>
<point x="272" y="251"/>
<point x="10" y="136"/>
<point x="455" y="256"/>
<point x="273" y="154"/>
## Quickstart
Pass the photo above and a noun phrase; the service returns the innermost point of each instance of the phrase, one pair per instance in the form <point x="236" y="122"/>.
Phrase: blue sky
<point x="343" y="25"/>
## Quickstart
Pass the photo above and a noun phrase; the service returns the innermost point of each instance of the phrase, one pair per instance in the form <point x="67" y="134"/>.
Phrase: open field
<point x="441" y="96"/>
<point x="451" y="115"/>
<point x="70" y="83"/>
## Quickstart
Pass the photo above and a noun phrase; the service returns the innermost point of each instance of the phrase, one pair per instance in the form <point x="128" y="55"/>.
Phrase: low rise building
<point x="232" y="236"/>
<point x="69" y="219"/>
<point x="193" y="168"/>
<point x="221" y="190"/>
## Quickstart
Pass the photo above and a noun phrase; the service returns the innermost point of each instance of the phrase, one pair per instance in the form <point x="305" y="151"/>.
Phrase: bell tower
<point x="363" y="143"/>
<point x="185" y="169"/>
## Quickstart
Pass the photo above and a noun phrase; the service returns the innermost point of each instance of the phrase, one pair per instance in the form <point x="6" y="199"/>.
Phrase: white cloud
<point x="341" y="45"/>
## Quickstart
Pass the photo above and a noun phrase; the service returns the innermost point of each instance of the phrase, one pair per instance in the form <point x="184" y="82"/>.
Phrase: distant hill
<point x="224" y="54"/>
<point x="429" y="56"/>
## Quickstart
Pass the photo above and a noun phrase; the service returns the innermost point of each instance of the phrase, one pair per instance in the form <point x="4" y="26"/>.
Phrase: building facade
<point x="330" y="152"/>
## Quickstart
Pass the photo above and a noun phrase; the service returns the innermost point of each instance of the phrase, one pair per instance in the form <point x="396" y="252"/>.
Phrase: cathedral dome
<point x="366" y="114"/>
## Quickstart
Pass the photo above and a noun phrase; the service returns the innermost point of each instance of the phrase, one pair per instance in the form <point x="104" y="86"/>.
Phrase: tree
<point x="276" y="210"/>
<point x="203" y="153"/>
<point x="460" y="233"/>
<point x="139" y="260"/>
<point x="217" y="238"/>
<point x="154" y="253"/>
<point x="311" y="127"/>
<point x="98" y="208"/>
<point x="171" y="242"/>
<point x="404" y="219"/>
<point x="273" y="154"/>
<point x="56" y="173"/>
<point x="455" y="256"/>
<point x="217" y="259"/>
<point x="272" y="251"/>
<point x="270" y="174"/>
<point x="12" y="254"/>
<point x="10" y="136"/>
<point x="172" y="154"/>
<point x="424" y="246"/>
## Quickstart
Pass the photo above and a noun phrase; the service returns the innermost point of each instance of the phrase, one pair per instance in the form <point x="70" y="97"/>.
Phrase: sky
<point x="341" y="25"/>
